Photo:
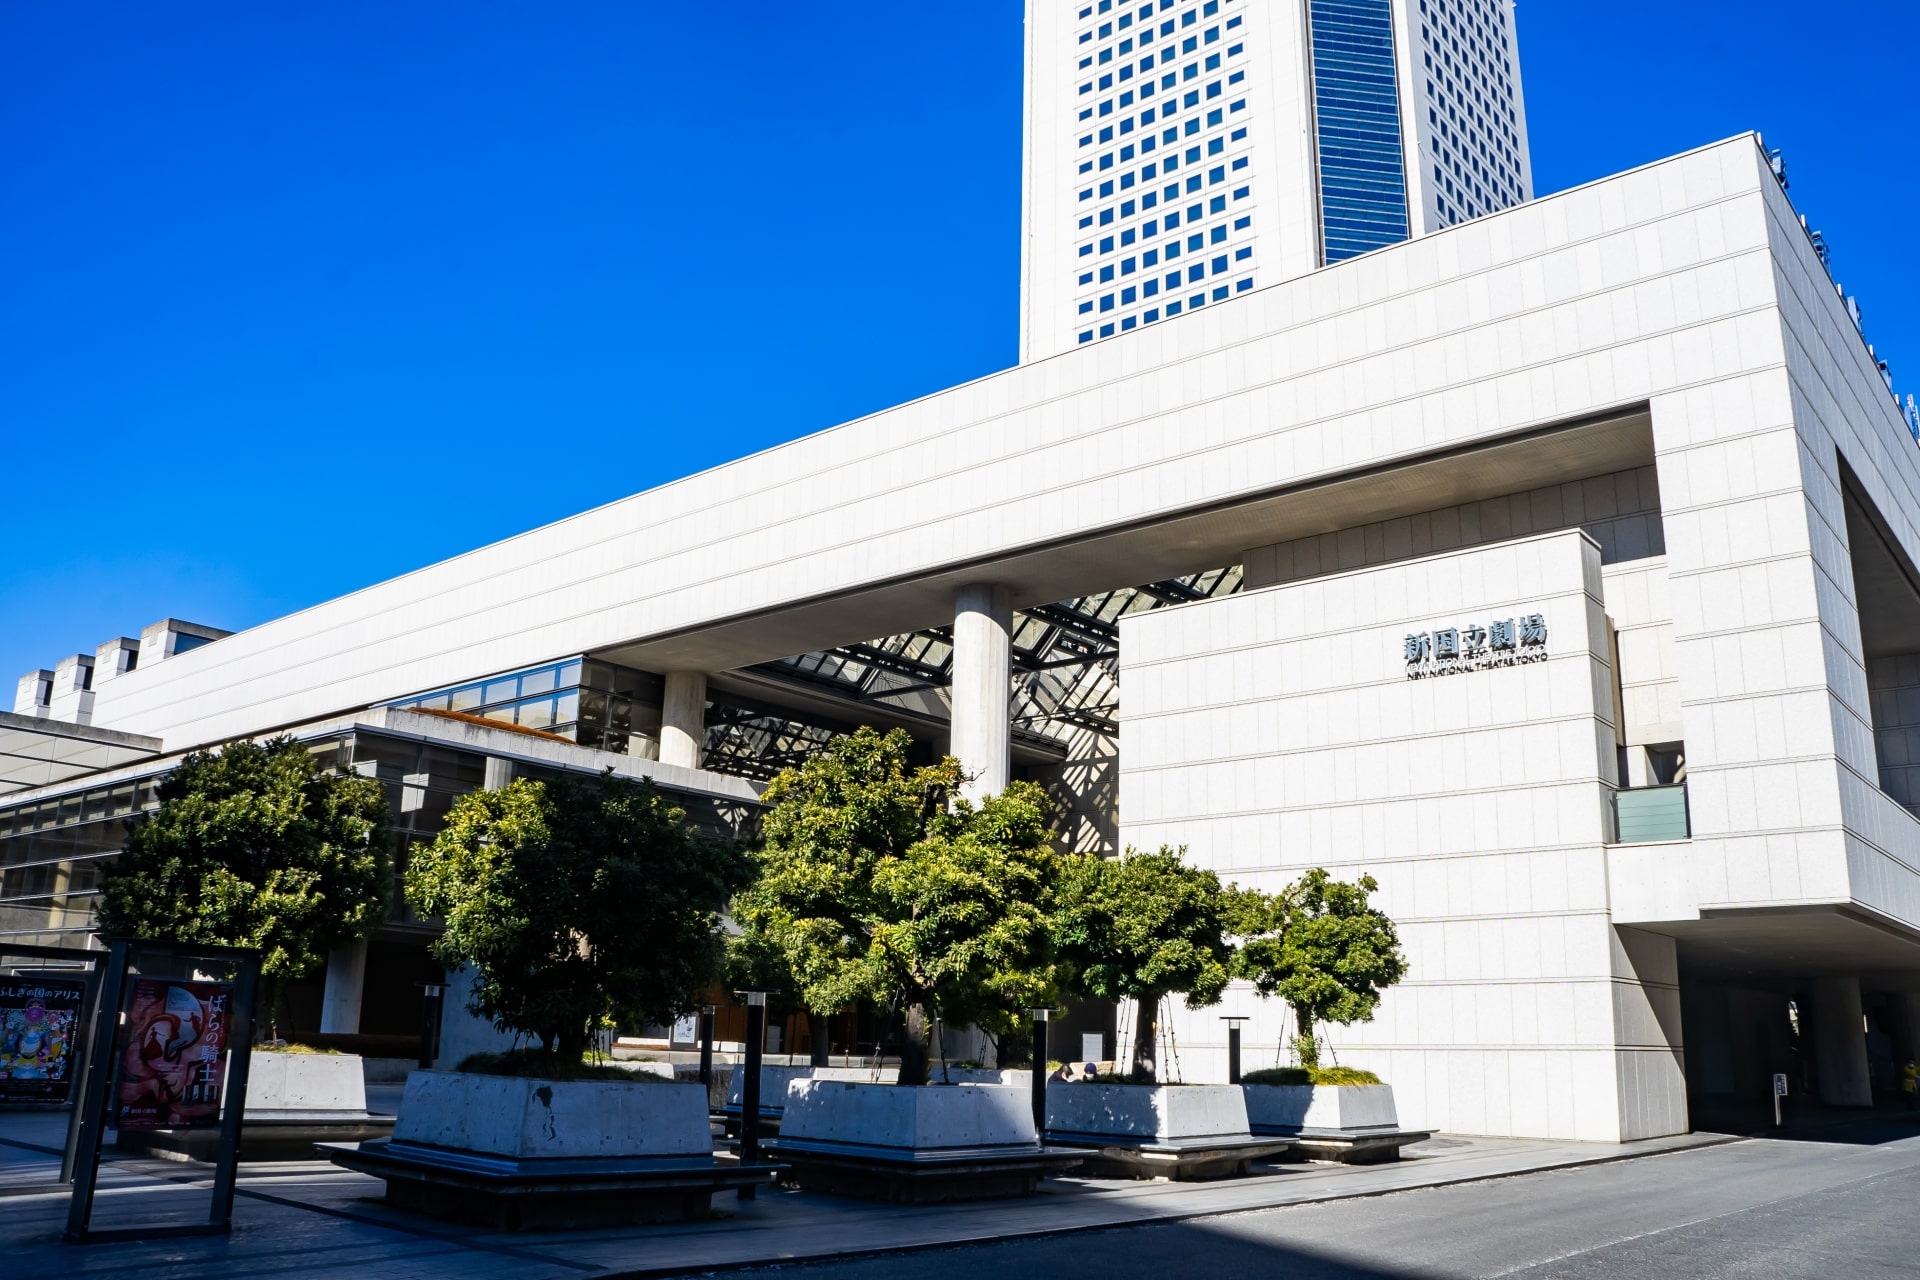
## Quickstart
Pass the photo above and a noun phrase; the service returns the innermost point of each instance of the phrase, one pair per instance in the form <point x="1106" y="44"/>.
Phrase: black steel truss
<point x="1065" y="663"/>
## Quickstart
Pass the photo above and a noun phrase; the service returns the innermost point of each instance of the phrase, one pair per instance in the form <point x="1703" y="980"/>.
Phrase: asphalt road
<point x="1845" y="1207"/>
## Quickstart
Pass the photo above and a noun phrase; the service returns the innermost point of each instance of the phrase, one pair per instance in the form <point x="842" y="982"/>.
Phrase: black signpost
<point x="185" y="1008"/>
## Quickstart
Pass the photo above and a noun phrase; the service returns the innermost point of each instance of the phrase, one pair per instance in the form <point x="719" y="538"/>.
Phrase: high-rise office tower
<point x="1179" y="152"/>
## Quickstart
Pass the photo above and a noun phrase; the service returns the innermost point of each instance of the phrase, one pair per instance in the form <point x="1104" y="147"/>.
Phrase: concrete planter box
<point x="293" y="1101"/>
<point x="1331" y="1124"/>
<point x="774" y="1082"/>
<point x="521" y="1152"/>
<point x="913" y="1145"/>
<point x="773" y="1089"/>
<point x="1157" y="1131"/>
<point x="544" y="1119"/>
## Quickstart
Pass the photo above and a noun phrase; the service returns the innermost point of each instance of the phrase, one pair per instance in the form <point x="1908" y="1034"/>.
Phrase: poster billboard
<point x="38" y="1020"/>
<point x="170" y="1075"/>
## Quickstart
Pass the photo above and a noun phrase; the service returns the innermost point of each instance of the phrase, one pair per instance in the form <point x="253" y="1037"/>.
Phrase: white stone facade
<point x="1637" y="408"/>
<point x="1279" y="730"/>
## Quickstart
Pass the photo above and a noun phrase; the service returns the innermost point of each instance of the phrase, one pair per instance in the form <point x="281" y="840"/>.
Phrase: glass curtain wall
<point x="595" y="704"/>
<point x="1363" y="177"/>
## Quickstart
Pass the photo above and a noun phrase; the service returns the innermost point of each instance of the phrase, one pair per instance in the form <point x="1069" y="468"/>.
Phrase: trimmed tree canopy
<point x="576" y="902"/>
<point x="877" y="885"/>
<point x="1142" y="927"/>
<point x="1319" y="946"/>
<point x="254" y="845"/>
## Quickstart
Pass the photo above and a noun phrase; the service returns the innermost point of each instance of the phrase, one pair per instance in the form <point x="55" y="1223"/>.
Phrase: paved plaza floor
<point x="310" y="1218"/>
<point x="1836" y="1200"/>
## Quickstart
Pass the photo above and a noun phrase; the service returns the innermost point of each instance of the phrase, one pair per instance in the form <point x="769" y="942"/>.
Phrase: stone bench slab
<point x="936" y="1175"/>
<point x="512" y="1192"/>
<point x="1176" y="1159"/>
<point x="1371" y="1145"/>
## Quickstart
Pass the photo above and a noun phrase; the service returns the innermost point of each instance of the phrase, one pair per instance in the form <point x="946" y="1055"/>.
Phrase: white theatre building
<point x="1552" y="561"/>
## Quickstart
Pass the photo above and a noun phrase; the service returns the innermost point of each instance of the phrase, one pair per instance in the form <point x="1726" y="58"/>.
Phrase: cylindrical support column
<point x="683" y="719"/>
<point x="750" y="1083"/>
<point x="346" y="979"/>
<point x="1040" y="1073"/>
<point x="982" y="688"/>
<point x="1840" y="1043"/>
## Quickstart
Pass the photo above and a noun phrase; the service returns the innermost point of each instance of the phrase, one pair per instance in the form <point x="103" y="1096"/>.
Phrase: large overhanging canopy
<point x="35" y="752"/>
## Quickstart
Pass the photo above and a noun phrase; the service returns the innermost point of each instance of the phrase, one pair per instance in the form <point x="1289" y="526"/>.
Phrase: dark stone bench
<point x="513" y="1194"/>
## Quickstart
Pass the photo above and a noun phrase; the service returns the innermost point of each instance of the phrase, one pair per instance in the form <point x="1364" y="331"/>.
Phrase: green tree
<point x="255" y="845"/>
<point x="1321" y="947"/>
<point x="1143" y="927"/>
<point x="878" y="884"/>
<point x="577" y="902"/>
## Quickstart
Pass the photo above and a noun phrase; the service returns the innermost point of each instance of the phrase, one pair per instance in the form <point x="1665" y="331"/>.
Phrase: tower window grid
<point x="1123" y="276"/>
<point x="1466" y="70"/>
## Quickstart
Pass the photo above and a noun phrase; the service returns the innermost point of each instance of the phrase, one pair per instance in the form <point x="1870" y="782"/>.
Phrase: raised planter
<point x="1157" y="1131"/>
<point x="293" y="1101"/>
<point x="1332" y="1124"/>
<point x="516" y="1153"/>
<point x="924" y="1145"/>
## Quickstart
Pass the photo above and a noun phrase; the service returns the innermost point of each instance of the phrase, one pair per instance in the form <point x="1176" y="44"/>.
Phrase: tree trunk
<point x="570" y="1044"/>
<point x="817" y="1036"/>
<point x="1305" y="1046"/>
<point x="913" y="1045"/>
<point x="1146" y="1050"/>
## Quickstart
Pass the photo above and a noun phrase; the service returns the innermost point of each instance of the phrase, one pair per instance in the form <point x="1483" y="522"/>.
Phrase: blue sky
<point x="296" y="297"/>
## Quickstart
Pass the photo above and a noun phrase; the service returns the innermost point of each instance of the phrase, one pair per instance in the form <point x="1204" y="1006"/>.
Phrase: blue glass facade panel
<point x="1363" y="180"/>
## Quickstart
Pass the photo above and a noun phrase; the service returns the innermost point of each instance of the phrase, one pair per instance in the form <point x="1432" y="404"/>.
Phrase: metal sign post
<point x="1779" y="1092"/>
<point x="141" y="969"/>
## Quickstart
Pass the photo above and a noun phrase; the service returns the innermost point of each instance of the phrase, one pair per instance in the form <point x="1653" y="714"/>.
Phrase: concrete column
<point x="683" y="719"/>
<point x="499" y="774"/>
<point x="346" y="979"/>
<point x="1906" y="1043"/>
<point x="983" y="688"/>
<point x="1840" y="1043"/>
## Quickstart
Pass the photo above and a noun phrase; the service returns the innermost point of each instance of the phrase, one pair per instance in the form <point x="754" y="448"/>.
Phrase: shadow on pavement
<point x="1151" y="1252"/>
<point x="1814" y="1122"/>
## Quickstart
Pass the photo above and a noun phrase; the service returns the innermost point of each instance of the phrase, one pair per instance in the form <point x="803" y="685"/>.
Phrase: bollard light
<point x="1040" y="1017"/>
<point x="750" y="1082"/>
<point x="1233" y="1048"/>
<point x="706" y="1045"/>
